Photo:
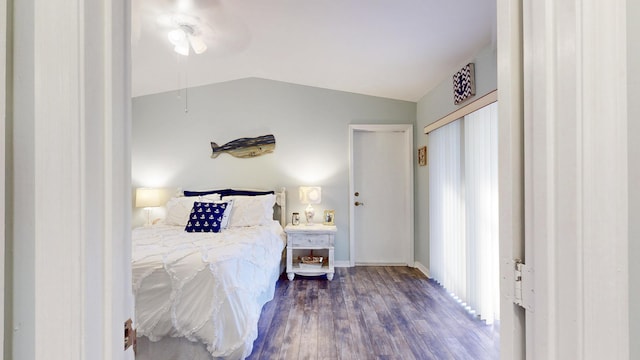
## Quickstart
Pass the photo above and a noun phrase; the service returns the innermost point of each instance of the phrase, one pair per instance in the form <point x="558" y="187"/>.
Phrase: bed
<point x="199" y="294"/>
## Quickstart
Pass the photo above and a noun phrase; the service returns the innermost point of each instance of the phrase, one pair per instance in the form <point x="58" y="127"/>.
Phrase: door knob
<point x="358" y="203"/>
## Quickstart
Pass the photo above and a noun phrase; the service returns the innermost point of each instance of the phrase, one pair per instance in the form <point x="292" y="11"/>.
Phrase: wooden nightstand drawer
<point x="309" y="240"/>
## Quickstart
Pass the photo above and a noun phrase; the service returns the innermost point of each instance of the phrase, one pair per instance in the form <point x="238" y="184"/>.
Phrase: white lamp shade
<point x="310" y="194"/>
<point x="148" y="197"/>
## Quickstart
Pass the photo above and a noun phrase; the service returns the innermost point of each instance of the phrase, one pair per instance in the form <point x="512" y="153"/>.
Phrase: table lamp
<point x="310" y="195"/>
<point x="148" y="198"/>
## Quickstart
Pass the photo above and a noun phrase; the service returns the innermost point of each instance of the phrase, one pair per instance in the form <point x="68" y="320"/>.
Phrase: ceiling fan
<point x="188" y="33"/>
<point x="188" y="26"/>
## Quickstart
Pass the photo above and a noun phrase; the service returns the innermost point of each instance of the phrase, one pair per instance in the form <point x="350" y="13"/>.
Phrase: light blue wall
<point x="433" y="106"/>
<point x="633" y="59"/>
<point x="170" y="148"/>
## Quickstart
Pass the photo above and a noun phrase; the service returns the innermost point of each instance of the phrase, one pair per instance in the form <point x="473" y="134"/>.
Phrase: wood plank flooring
<point x="370" y="313"/>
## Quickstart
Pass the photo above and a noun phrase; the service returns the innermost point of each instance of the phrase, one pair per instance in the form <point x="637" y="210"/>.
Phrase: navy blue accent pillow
<point x="205" y="217"/>
<point x="227" y="192"/>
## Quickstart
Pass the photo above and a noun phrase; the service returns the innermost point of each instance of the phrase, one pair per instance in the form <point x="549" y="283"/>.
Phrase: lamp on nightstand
<point x="310" y="195"/>
<point x="148" y="198"/>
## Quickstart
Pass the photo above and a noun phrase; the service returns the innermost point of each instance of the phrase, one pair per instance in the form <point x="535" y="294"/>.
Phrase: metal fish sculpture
<point x="246" y="147"/>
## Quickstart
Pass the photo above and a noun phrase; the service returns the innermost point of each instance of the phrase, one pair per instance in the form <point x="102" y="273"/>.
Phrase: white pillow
<point x="251" y="210"/>
<point x="224" y="223"/>
<point x="179" y="208"/>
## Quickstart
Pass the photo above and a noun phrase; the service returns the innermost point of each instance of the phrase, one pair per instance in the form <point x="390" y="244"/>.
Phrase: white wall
<point x="633" y="59"/>
<point x="434" y="105"/>
<point x="171" y="148"/>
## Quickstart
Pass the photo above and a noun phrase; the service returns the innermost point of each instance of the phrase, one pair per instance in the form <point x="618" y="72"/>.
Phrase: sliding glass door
<point x="463" y="208"/>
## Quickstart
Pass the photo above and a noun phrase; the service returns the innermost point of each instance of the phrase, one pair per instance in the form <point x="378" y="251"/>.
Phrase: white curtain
<point x="463" y="207"/>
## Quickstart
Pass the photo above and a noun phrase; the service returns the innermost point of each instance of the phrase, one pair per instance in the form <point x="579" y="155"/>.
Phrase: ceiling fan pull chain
<point x="186" y="88"/>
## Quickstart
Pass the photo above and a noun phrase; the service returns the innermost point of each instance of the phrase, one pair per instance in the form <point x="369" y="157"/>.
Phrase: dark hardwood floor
<point x="370" y="313"/>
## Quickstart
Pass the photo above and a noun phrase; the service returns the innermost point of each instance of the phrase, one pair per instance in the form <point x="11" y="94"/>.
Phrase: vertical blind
<point x="446" y="208"/>
<point x="463" y="208"/>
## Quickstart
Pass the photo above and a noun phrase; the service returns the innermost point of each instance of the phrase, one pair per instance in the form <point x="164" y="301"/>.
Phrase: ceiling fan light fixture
<point x="197" y="43"/>
<point x="182" y="48"/>
<point x="177" y="36"/>
<point x="186" y="33"/>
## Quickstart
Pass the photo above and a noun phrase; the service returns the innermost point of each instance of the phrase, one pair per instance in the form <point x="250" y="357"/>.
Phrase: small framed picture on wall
<point x="422" y="156"/>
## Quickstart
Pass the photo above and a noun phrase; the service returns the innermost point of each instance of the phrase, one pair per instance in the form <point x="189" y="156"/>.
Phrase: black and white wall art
<point x="464" y="84"/>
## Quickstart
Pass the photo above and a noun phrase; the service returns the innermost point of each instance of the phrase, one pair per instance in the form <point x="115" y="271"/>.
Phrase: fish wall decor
<point x="245" y="147"/>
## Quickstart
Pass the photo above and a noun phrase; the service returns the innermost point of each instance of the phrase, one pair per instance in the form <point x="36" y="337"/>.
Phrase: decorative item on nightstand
<point x="310" y="195"/>
<point x="329" y="217"/>
<point x="148" y="198"/>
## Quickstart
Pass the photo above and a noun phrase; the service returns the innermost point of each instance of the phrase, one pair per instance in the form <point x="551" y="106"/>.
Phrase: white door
<point x="382" y="195"/>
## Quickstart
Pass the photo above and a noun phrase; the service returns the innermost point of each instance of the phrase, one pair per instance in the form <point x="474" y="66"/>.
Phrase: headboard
<point x="279" y="209"/>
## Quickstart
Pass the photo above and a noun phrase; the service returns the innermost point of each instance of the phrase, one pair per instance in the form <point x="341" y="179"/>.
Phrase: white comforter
<point x="206" y="287"/>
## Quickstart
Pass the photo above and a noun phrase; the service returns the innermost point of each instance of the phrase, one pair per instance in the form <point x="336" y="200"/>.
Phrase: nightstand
<point x="310" y="240"/>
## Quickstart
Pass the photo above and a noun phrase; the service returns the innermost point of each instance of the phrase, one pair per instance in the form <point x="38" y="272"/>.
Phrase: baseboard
<point x="381" y="264"/>
<point x="343" y="263"/>
<point x="417" y="265"/>
<point x="422" y="268"/>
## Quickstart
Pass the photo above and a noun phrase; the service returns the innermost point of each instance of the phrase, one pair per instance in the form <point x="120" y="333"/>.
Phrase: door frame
<point x="510" y="173"/>
<point x="569" y="263"/>
<point x="407" y="129"/>
<point x="3" y="114"/>
<point x="69" y="144"/>
<point x="576" y="198"/>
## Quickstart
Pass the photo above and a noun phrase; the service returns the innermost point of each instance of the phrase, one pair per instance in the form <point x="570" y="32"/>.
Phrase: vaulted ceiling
<point x="397" y="49"/>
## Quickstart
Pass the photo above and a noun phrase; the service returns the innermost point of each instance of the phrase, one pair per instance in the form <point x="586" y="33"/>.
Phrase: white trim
<point x="118" y="153"/>
<point x="109" y="312"/>
<point x="342" y="263"/>
<point x="471" y="107"/>
<point x="71" y="141"/>
<point x="3" y="112"/>
<point x="510" y="173"/>
<point x="576" y="179"/>
<point x="59" y="178"/>
<point x="418" y="265"/>
<point x="382" y="264"/>
<point x="605" y="225"/>
<point x="407" y="129"/>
